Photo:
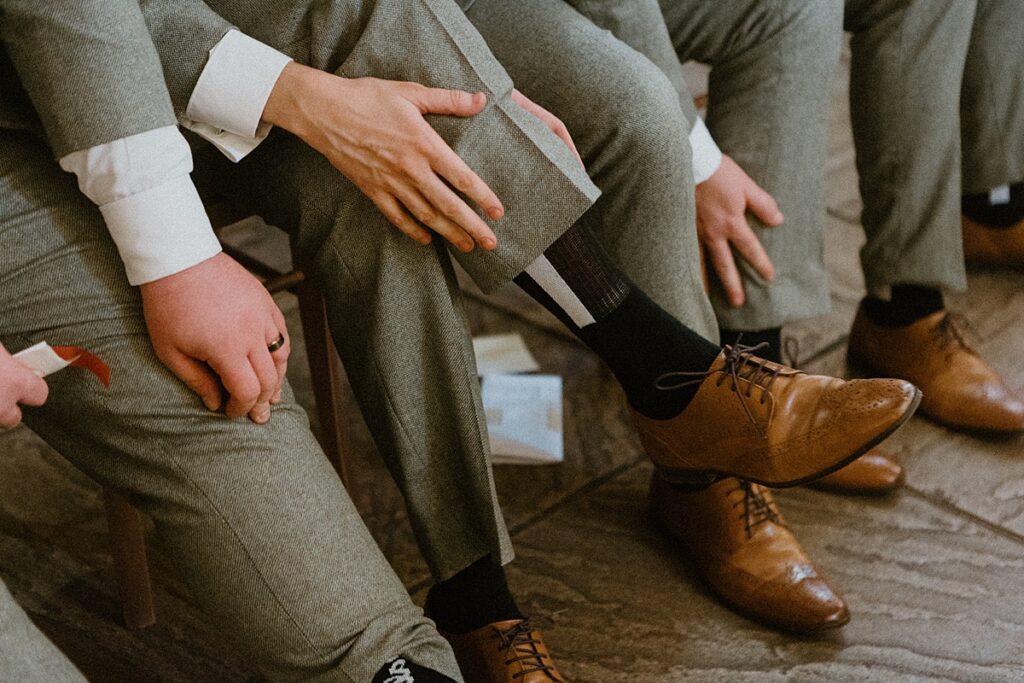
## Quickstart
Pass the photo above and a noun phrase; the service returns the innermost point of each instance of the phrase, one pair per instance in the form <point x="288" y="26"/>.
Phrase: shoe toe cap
<point x="809" y="605"/>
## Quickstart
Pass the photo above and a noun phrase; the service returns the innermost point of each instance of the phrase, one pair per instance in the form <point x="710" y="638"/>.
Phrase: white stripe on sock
<point x="545" y="275"/>
<point x="999" y="195"/>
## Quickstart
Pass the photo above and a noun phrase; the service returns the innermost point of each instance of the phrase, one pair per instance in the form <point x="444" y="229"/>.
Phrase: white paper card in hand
<point x="502" y="354"/>
<point x="524" y="418"/>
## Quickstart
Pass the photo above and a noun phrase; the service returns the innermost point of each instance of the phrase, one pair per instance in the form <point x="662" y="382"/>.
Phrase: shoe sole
<point x="708" y="477"/>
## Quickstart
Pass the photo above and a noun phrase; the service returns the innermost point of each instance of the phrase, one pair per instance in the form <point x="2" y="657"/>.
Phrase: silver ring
<point x="276" y="344"/>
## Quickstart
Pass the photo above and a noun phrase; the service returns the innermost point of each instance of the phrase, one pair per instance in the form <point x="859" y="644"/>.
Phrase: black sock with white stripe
<point x="997" y="209"/>
<point x="635" y="337"/>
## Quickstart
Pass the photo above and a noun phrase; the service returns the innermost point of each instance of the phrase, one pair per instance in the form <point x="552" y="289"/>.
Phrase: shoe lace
<point x="951" y="332"/>
<point x="757" y="508"/>
<point x="521" y="643"/>
<point x="740" y="363"/>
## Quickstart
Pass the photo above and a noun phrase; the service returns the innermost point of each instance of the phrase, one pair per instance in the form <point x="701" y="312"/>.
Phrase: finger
<point x="728" y="275"/>
<point x="399" y="217"/>
<point x="763" y="205"/>
<point x="457" y="211"/>
<point x="10" y="418"/>
<point x="197" y="376"/>
<point x="421" y="208"/>
<point x="266" y="372"/>
<point x="34" y="390"/>
<point x="751" y="249"/>
<point x="450" y="102"/>
<point x="452" y="168"/>
<point x="277" y="396"/>
<point x="240" y="381"/>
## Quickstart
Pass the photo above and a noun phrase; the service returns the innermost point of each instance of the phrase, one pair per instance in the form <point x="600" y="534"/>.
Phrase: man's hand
<point x="211" y="325"/>
<point x="18" y="385"/>
<point x="375" y="133"/>
<point x="722" y="204"/>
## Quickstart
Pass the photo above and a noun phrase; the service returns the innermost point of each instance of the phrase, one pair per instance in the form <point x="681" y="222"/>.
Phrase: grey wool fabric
<point x="309" y="596"/>
<point x="772" y="67"/>
<point x="25" y="653"/>
<point x="394" y="306"/>
<point x="772" y="70"/>
<point x="255" y="517"/>
<point x="992" y="98"/>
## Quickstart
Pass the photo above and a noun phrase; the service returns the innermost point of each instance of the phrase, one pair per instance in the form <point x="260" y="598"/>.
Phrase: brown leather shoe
<point x="872" y="474"/>
<point x="735" y="538"/>
<point x="990" y="247"/>
<point x="960" y="389"/>
<point x="771" y="424"/>
<point x="504" y="652"/>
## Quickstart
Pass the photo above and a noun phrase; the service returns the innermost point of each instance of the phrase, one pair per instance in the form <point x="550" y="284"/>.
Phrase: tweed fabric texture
<point x="772" y="70"/>
<point x="254" y="516"/>
<point x="625" y="119"/>
<point x="25" y="653"/>
<point x="118" y="89"/>
<point x="992" y="101"/>
<point x="905" y="76"/>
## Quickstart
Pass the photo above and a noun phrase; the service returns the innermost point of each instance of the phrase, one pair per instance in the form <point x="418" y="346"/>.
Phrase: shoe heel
<point x="691" y="477"/>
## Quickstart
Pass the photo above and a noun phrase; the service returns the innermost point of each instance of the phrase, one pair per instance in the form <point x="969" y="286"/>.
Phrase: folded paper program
<point x="45" y="360"/>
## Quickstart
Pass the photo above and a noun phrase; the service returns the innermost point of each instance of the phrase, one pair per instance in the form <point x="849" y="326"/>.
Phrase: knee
<point x="645" y="110"/>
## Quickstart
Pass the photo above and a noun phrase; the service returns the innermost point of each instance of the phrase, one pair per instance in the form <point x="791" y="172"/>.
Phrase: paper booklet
<point x="524" y="412"/>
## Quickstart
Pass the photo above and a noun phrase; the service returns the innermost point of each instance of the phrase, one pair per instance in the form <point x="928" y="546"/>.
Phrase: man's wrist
<point x="291" y="99"/>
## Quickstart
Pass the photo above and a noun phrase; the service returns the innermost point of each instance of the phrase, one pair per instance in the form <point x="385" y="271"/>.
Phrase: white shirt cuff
<point x="141" y="184"/>
<point x="161" y="231"/>
<point x="231" y="93"/>
<point x="706" y="155"/>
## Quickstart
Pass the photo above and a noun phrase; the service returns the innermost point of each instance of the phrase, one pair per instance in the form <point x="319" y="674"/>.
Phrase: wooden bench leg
<point x="128" y="546"/>
<point x="328" y="376"/>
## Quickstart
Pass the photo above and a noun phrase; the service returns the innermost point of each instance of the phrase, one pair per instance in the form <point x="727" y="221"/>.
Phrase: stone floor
<point x="934" y="575"/>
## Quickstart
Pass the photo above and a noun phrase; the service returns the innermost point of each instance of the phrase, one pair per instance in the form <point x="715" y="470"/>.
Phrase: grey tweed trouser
<point x="25" y="654"/>
<point x="992" y="99"/>
<point x="772" y="64"/>
<point x="772" y="69"/>
<point x="395" y="307"/>
<point x="254" y="517"/>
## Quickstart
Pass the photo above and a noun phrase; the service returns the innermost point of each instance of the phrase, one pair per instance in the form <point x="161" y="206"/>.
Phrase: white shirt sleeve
<point x="142" y="186"/>
<point x="231" y="93"/>
<point x="707" y="157"/>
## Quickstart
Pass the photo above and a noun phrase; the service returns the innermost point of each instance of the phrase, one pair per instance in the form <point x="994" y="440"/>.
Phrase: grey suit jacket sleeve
<point x="90" y="68"/>
<point x="184" y="32"/>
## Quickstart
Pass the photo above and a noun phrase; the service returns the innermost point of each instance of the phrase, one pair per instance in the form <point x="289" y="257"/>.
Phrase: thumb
<point x="198" y="377"/>
<point x="763" y="205"/>
<point x="451" y="102"/>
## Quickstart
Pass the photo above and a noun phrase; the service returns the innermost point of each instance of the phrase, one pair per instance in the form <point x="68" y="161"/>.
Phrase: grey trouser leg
<point x="625" y="118"/>
<point x="254" y="516"/>
<point x="772" y="70"/>
<point x="26" y="655"/>
<point x="395" y="307"/>
<point x="992" y="101"/>
<point x="905" y="77"/>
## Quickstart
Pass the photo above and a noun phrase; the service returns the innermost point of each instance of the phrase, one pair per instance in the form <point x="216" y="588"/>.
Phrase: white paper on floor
<point x="524" y="418"/>
<point x="503" y="354"/>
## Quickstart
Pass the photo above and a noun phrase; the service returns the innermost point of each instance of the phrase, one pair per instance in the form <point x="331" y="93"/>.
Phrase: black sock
<point x="907" y="305"/>
<point x="476" y="596"/>
<point x="404" y="670"/>
<point x="979" y="208"/>
<point x="634" y="336"/>
<point x="772" y="337"/>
